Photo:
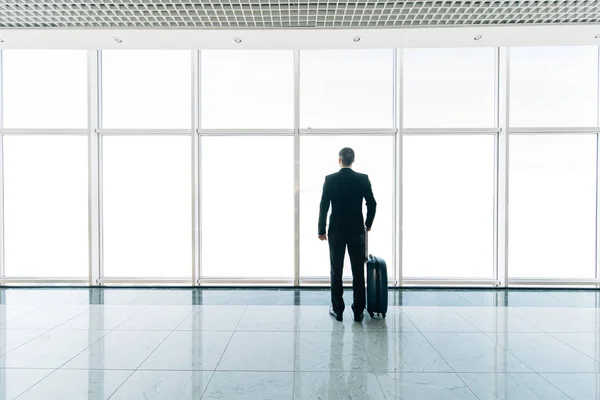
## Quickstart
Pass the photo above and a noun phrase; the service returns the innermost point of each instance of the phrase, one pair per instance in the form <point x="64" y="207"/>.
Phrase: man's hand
<point x="322" y="237"/>
<point x="368" y="229"/>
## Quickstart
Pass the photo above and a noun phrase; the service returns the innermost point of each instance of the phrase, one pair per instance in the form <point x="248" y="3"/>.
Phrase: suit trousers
<point x="355" y="243"/>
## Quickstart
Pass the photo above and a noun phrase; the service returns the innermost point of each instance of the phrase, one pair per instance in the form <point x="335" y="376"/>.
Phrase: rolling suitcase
<point x="377" y="283"/>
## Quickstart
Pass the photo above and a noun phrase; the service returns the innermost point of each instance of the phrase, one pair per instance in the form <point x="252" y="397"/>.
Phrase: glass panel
<point x="247" y="89"/>
<point x="45" y="89"/>
<point x="448" y="88"/>
<point x="147" y="206"/>
<point x="248" y="207"/>
<point x="318" y="158"/>
<point x="346" y="89"/>
<point x="146" y="89"/>
<point x="46" y="206"/>
<point x="552" y="206"/>
<point x="448" y="206"/>
<point x="554" y="86"/>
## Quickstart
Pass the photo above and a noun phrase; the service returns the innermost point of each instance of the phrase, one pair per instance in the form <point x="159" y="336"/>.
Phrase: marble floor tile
<point x="116" y="297"/>
<point x="45" y="297"/>
<point x="333" y="351"/>
<point x="269" y="318"/>
<point x="446" y="298"/>
<point x="438" y="319"/>
<point x="551" y="319"/>
<point x="337" y="386"/>
<point x="576" y="298"/>
<point x="212" y="318"/>
<point x="14" y="338"/>
<point x="586" y="343"/>
<point x="403" y="352"/>
<point x="50" y="350"/>
<point x="164" y="385"/>
<point x="259" y="351"/>
<point x="13" y="382"/>
<point x="77" y="385"/>
<point x="531" y="298"/>
<point x="10" y="312"/>
<point x="395" y="321"/>
<point x="189" y="350"/>
<point x="119" y="350"/>
<point x="413" y="386"/>
<point x="163" y="297"/>
<point x="255" y="297"/>
<point x="158" y="318"/>
<point x="544" y="353"/>
<point x="101" y="317"/>
<point x="494" y="319"/>
<point x="211" y="297"/>
<point x="250" y="386"/>
<point x="474" y="352"/>
<point x="576" y="386"/>
<point x="511" y="387"/>
<point x="48" y="317"/>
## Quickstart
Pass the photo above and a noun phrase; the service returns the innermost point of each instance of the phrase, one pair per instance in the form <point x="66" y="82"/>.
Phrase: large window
<point x="147" y="207"/>
<point x="248" y="207"/>
<point x="45" y="209"/>
<point x="448" y="88"/>
<point x="346" y="89"/>
<point x="318" y="158"/>
<point x="45" y="89"/>
<point x="146" y="89"/>
<point x="247" y="89"/>
<point x="552" y="226"/>
<point x="448" y="187"/>
<point x="554" y="86"/>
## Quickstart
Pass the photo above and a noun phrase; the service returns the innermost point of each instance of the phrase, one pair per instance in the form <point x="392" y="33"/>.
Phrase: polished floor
<point x="181" y="344"/>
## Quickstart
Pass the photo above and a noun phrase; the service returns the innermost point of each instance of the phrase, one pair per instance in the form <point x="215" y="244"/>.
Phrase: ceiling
<point x="265" y="14"/>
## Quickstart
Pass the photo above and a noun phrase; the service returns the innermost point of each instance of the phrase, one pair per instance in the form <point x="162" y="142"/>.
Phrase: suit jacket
<point x="345" y="190"/>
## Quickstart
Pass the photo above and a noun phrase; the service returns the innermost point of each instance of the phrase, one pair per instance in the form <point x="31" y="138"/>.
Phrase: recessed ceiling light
<point x="238" y="40"/>
<point x="356" y="39"/>
<point x="478" y="37"/>
<point x="597" y="36"/>
<point x="118" y="40"/>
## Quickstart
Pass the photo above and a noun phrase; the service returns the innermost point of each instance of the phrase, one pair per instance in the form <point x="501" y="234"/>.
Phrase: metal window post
<point x="502" y="166"/>
<point x="94" y="92"/>
<point x="597" y="272"/>
<point x="196" y="212"/>
<point x="296" y="168"/>
<point x="398" y="161"/>
<point x="2" y="266"/>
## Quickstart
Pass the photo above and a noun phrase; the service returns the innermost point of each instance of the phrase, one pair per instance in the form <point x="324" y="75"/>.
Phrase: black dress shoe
<point x="358" y="316"/>
<point x="337" y="316"/>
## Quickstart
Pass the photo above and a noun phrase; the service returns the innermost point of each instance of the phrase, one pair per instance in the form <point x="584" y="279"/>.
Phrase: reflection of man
<point x="345" y="190"/>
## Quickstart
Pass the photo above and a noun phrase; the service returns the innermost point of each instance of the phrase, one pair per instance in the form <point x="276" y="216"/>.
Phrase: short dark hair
<point x="347" y="156"/>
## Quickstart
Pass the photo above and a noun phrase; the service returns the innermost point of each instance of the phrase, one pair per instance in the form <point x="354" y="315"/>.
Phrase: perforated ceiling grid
<point x="224" y="14"/>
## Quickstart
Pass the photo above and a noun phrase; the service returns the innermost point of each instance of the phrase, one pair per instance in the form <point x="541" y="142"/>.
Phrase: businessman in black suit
<point x="345" y="191"/>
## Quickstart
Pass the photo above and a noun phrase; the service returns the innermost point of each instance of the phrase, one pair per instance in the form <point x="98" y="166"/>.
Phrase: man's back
<point x="345" y="190"/>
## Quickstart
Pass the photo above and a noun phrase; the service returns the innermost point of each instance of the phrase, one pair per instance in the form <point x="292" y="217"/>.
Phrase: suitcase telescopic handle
<point x="366" y="244"/>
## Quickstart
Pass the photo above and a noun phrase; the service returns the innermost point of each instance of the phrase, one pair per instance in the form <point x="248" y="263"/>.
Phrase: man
<point x="345" y="190"/>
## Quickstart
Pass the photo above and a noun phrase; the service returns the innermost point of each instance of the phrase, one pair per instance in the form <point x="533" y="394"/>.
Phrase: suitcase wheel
<point x="383" y="315"/>
<point x="371" y="314"/>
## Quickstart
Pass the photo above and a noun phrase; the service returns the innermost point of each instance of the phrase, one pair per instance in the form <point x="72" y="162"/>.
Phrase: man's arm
<point x="324" y="209"/>
<point x="371" y="205"/>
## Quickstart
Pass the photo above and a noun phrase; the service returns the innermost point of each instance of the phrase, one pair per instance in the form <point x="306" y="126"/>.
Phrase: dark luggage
<point x="377" y="284"/>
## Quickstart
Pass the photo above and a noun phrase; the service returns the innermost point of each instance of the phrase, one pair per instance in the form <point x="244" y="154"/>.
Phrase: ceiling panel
<point x="260" y="14"/>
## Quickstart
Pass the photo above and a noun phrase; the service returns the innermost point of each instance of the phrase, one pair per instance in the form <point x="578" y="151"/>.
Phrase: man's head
<point x="346" y="157"/>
